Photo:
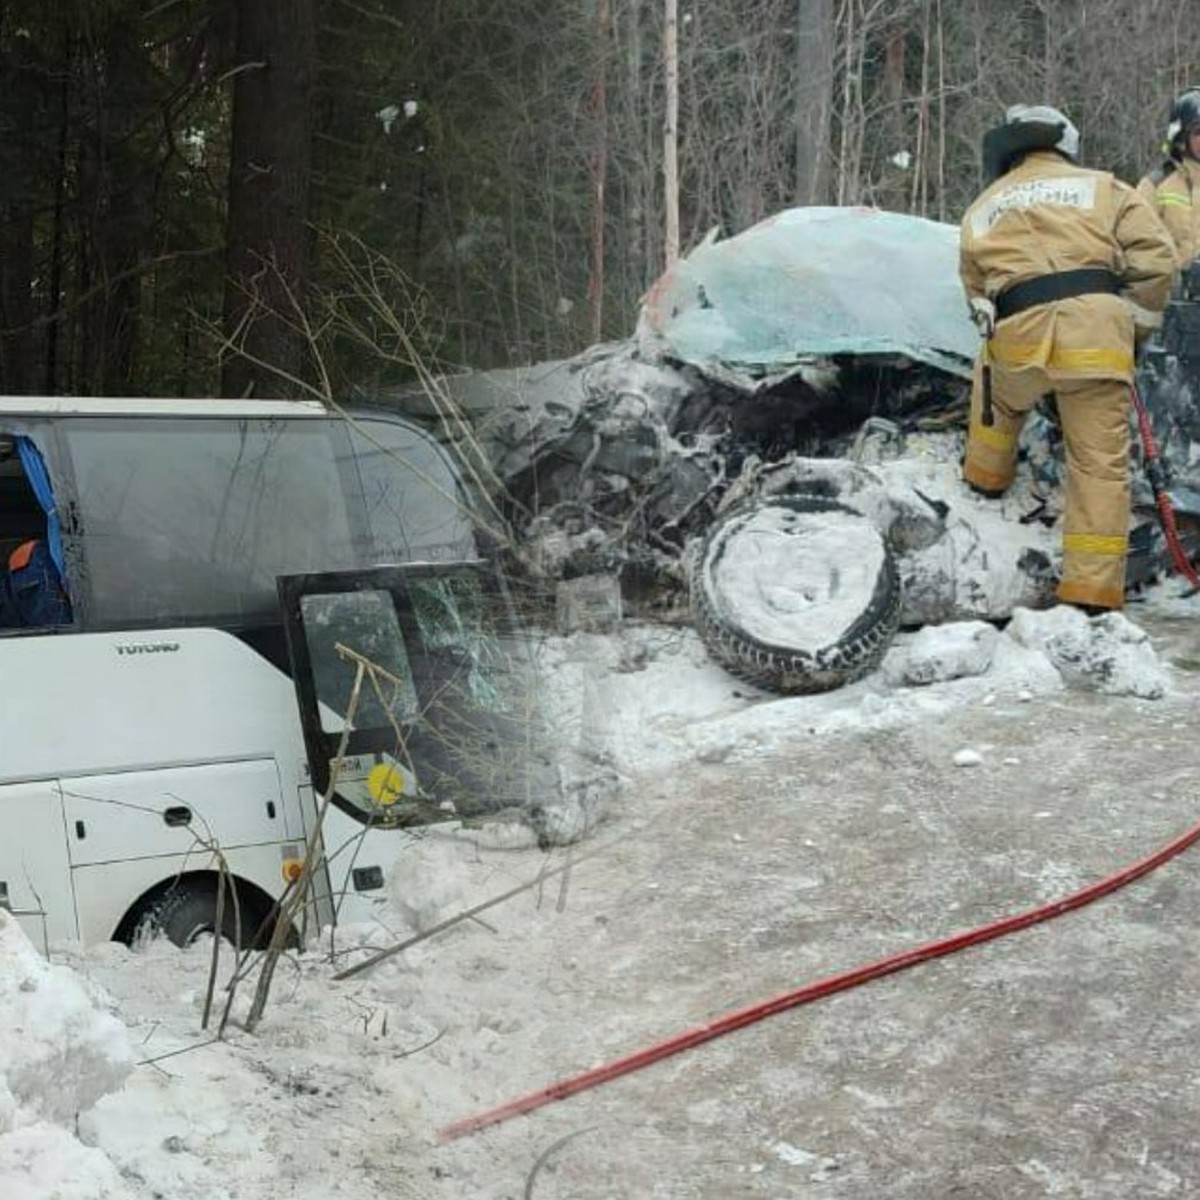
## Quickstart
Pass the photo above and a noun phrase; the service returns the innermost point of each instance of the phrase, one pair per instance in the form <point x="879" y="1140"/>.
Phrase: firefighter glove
<point x="983" y="314"/>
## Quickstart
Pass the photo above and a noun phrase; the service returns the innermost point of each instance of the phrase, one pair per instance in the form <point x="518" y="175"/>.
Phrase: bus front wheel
<point x="187" y="909"/>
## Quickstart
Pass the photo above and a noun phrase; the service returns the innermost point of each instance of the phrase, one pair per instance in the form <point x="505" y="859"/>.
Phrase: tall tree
<point x="268" y="238"/>
<point x="671" y="128"/>
<point x="19" y="92"/>
<point x="814" y="95"/>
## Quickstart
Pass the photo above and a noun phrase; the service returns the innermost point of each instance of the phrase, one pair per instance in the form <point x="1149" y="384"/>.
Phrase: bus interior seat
<point x="32" y="593"/>
<point x="35" y="588"/>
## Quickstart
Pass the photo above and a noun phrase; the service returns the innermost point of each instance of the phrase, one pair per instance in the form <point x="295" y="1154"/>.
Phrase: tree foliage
<point x="504" y="158"/>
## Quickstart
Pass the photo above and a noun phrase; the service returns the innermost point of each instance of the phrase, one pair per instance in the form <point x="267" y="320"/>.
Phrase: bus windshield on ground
<point x="188" y="589"/>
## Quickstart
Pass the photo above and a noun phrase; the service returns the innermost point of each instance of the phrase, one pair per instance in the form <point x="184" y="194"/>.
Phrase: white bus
<point x="175" y="577"/>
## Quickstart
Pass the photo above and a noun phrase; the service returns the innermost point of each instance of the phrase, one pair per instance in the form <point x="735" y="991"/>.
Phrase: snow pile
<point x="1108" y="653"/>
<point x="431" y="883"/>
<point x="45" y="1162"/>
<point x="59" y="1053"/>
<point x="650" y="698"/>
<point x="938" y="653"/>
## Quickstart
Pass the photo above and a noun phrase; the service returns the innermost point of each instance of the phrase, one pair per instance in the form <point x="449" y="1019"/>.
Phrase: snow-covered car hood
<point x="813" y="282"/>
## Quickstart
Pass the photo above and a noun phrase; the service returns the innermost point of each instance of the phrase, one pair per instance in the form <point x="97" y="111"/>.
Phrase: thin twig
<point x="465" y="915"/>
<point x="546" y="1154"/>
<point x="437" y="1037"/>
<point x="149" y="1062"/>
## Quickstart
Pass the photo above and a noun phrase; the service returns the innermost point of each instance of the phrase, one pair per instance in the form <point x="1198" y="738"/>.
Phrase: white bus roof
<point x="107" y="406"/>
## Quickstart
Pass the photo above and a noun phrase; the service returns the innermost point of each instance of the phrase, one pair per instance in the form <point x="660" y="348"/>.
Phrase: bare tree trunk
<point x="941" y="92"/>
<point x="599" y="169"/>
<point x="54" y="331"/>
<point x="892" y="193"/>
<point x="845" y="193"/>
<point x="640" y="226"/>
<point x="671" y="130"/>
<point x="16" y="230"/>
<point x="918" y="200"/>
<point x="269" y="172"/>
<point x="814" y="88"/>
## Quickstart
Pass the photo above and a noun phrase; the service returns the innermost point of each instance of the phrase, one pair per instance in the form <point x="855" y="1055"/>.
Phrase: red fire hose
<point x="1157" y="476"/>
<point x="828" y="986"/>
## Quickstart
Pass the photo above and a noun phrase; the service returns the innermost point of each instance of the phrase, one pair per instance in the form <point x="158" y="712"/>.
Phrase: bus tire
<point x="188" y="908"/>
<point x="855" y="591"/>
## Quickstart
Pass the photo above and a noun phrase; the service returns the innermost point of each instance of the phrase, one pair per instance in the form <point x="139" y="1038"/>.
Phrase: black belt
<point x="1060" y="286"/>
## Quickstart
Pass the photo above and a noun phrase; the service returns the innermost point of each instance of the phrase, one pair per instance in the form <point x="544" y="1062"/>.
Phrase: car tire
<point x="795" y="593"/>
<point x="188" y="909"/>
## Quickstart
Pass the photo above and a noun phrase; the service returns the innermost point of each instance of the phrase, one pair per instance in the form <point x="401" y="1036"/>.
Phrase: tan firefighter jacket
<point x="1048" y="215"/>
<point x="1171" y="188"/>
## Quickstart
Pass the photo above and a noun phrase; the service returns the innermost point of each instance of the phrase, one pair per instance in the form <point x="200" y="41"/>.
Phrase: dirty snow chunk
<point x="1109" y="653"/>
<point x="586" y="792"/>
<point x="59" y="1052"/>
<point x="966" y="757"/>
<point x="941" y="652"/>
<point x="431" y="882"/>
<point x="794" y="1156"/>
<point x="44" y="1162"/>
<point x="588" y="602"/>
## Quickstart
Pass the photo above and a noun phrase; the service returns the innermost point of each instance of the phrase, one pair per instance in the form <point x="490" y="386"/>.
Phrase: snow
<point x="937" y="653"/>
<point x="343" y="1087"/>
<point x="1108" y="652"/>
<point x="60" y="1052"/>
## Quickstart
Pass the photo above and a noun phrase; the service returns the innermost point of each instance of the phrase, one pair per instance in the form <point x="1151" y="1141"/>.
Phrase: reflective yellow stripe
<point x="1092" y="360"/>
<point x="1109" y="545"/>
<point x="1019" y="354"/>
<point x="993" y="438"/>
<point x="1168" y="198"/>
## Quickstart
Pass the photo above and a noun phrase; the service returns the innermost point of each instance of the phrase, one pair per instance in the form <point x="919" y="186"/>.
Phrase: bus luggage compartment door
<point x="175" y="810"/>
<point x="35" y="876"/>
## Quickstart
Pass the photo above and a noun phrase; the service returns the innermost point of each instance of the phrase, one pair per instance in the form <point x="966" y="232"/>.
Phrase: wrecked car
<point x="774" y="453"/>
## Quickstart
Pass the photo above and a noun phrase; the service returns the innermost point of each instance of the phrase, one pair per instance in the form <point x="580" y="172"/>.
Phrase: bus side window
<point x="416" y="509"/>
<point x="32" y="589"/>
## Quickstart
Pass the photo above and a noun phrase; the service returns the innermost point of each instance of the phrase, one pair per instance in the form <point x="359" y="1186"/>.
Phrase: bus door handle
<point x="178" y="814"/>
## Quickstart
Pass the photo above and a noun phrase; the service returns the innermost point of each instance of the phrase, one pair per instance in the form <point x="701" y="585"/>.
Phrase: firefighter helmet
<point x="1185" y="116"/>
<point x="1027" y="127"/>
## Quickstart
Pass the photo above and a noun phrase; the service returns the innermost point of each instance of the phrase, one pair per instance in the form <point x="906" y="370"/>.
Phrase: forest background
<point x="287" y="197"/>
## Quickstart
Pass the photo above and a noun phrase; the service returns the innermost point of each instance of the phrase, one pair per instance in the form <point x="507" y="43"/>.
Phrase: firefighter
<point x="1171" y="185"/>
<point x="1063" y="268"/>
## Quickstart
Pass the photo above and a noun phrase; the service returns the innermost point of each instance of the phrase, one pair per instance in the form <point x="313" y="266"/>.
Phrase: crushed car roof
<point x="814" y="282"/>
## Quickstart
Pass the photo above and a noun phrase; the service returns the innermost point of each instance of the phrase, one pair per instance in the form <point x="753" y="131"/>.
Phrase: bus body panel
<point x="89" y="703"/>
<point x="351" y="847"/>
<point x="34" y="869"/>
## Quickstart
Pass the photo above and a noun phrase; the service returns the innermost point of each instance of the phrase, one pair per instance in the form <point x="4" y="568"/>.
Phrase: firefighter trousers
<point x="1094" y="414"/>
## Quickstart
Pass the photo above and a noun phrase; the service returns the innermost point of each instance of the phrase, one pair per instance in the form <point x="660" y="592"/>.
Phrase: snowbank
<point x="651" y="698"/>
<point x="45" y="1162"/>
<point x="59" y="1053"/>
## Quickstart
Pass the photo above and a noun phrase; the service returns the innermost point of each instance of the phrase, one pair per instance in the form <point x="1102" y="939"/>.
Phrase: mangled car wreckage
<point x="775" y="451"/>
